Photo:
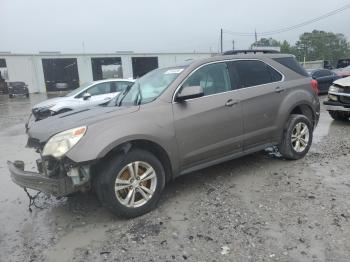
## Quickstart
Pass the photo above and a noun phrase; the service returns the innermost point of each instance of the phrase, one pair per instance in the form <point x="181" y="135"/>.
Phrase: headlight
<point x="334" y="89"/>
<point x="333" y="97"/>
<point x="62" y="142"/>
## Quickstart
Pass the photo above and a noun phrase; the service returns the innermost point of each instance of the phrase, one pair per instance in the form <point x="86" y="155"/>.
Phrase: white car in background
<point x="88" y="94"/>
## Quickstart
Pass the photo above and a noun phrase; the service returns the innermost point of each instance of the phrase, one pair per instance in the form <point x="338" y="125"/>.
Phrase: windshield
<point x="149" y="87"/>
<point x="79" y="89"/>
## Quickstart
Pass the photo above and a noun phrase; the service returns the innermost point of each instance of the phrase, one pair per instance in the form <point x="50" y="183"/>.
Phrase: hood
<point x="42" y="130"/>
<point x="50" y="102"/>
<point x="343" y="81"/>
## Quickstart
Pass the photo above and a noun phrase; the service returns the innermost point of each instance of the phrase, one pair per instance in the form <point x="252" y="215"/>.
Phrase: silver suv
<point x="171" y="122"/>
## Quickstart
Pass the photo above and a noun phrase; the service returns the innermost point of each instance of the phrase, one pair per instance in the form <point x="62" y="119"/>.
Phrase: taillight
<point x="314" y="86"/>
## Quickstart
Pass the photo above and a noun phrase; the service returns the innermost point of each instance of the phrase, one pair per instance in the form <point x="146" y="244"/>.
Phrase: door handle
<point x="279" y="89"/>
<point x="231" y="102"/>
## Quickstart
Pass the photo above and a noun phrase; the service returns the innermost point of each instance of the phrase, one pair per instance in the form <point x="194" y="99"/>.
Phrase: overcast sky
<point x="154" y="25"/>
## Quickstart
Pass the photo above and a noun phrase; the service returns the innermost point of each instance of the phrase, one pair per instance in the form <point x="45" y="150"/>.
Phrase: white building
<point x="53" y="71"/>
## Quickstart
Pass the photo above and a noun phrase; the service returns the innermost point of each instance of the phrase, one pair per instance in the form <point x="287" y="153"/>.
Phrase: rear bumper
<point x="36" y="181"/>
<point x="336" y="106"/>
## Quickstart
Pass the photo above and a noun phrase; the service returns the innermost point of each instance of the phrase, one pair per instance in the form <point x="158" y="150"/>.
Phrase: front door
<point x="208" y="127"/>
<point x="100" y="93"/>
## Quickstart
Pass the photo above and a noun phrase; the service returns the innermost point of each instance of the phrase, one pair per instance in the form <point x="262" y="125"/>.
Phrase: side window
<point x="253" y="73"/>
<point x="121" y="86"/>
<point x="275" y="76"/>
<point x="325" y="73"/>
<point x="212" y="78"/>
<point x="100" y="89"/>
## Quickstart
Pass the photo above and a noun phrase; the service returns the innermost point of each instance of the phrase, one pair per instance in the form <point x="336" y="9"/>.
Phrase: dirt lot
<point x="257" y="208"/>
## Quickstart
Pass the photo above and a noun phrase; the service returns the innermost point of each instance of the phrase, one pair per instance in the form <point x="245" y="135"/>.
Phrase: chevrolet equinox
<point x="170" y="122"/>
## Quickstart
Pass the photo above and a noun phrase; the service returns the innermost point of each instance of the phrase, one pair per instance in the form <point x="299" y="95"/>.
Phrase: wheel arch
<point x="304" y="109"/>
<point x="146" y="145"/>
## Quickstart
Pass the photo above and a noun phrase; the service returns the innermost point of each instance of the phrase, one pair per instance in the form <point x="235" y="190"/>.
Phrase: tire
<point x="117" y="167"/>
<point x="339" y="116"/>
<point x="27" y="95"/>
<point x="288" y="148"/>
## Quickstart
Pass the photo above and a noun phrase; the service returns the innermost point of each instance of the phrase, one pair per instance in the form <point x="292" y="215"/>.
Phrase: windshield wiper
<point x="139" y="94"/>
<point x="122" y="96"/>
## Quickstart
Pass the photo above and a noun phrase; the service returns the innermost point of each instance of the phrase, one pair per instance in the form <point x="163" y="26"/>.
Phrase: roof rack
<point x="250" y="51"/>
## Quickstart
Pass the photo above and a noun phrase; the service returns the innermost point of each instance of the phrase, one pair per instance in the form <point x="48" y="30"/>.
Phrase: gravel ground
<point x="257" y="208"/>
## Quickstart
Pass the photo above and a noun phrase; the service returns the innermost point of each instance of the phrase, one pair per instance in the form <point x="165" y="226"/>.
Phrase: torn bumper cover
<point x="37" y="181"/>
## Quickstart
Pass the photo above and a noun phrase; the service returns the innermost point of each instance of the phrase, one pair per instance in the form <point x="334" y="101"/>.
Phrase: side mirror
<point x="86" y="96"/>
<point x="189" y="92"/>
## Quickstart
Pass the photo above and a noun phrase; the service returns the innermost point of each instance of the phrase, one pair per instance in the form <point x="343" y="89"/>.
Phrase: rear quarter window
<point x="292" y="64"/>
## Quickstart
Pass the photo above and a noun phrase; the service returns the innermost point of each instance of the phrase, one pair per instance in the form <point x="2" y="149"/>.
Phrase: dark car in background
<point x="3" y="87"/>
<point x="17" y="89"/>
<point x="324" y="77"/>
<point x="343" y="63"/>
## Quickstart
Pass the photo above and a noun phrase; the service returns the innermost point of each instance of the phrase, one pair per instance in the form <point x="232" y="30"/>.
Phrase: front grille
<point x="344" y="99"/>
<point x="346" y="90"/>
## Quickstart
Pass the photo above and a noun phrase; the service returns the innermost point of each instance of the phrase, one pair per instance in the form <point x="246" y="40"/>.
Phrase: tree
<point x="321" y="45"/>
<point x="315" y="45"/>
<point x="286" y="48"/>
<point x="266" y="42"/>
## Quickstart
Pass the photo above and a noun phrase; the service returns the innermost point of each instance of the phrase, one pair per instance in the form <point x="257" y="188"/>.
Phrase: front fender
<point x="153" y="124"/>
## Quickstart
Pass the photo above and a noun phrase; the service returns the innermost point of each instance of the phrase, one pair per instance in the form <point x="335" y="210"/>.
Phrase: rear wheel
<point x="340" y="116"/>
<point x="131" y="184"/>
<point x="297" y="137"/>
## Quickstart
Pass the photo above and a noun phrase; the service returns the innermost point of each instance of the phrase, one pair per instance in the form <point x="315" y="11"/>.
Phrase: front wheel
<point x="339" y="116"/>
<point x="297" y="137"/>
<point x="131" y="184"/>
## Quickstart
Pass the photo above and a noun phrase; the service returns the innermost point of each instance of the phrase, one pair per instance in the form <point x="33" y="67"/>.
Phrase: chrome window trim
<point x="224" y="61"/>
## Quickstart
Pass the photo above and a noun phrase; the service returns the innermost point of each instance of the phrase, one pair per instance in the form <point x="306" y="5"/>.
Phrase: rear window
<point x="292" y="64"/>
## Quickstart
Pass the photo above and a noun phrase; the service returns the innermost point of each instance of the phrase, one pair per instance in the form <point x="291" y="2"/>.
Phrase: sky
<point x="108" y="26"/>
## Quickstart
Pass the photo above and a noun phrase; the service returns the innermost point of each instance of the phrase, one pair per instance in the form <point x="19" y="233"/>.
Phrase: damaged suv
<point x="171" y="122"/>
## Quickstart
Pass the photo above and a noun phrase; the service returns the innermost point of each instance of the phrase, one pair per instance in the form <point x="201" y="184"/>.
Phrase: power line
<point x="289" y="28"/>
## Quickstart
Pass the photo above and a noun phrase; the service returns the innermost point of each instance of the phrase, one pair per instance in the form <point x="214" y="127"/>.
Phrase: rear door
<point x="260" y="94"/>
<point x="208" y="127"/>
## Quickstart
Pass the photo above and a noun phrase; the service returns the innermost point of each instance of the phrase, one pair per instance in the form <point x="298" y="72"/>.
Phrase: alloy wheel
<point x="135" y="184"/>
<point x="300" y="137"/>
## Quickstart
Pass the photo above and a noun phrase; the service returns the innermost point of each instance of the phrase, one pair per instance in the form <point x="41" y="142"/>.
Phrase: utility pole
<point x="256" y="36"/>
<point x="221" y="36"/>
<point x="233" y="45"/>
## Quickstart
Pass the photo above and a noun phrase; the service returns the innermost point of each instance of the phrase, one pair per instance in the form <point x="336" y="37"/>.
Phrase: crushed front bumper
<point x="37" y="181"/>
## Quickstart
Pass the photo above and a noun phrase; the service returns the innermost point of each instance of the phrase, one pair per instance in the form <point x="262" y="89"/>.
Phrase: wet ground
<point x="257" y="208"/>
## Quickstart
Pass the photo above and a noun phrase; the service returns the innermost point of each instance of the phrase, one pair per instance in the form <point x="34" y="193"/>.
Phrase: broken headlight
<point x="61" y="143"/>
<point x="335" y="89"/>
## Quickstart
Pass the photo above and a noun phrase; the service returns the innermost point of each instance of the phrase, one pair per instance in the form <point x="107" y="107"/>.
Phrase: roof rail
<point x="250" y="51"/>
